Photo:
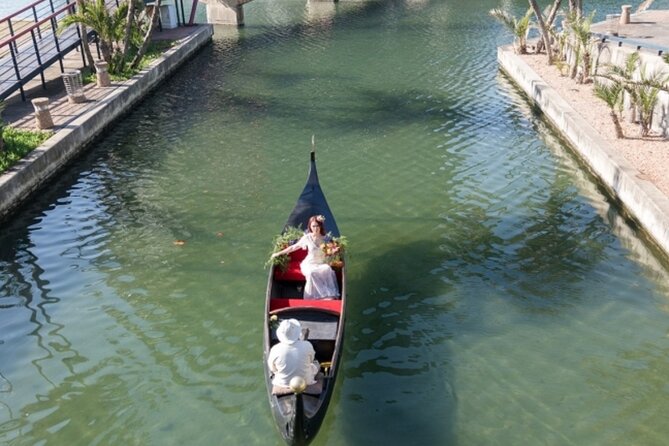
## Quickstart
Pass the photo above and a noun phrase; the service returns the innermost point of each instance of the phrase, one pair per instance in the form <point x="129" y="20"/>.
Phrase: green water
<point x="496" y="296"/>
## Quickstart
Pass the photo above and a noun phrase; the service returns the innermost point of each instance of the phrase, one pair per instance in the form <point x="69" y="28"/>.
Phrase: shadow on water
<point x="395" y="385"/>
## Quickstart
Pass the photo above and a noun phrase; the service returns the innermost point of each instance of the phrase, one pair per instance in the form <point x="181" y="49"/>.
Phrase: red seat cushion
<point x="292" y="271"/>
<point x="280" y="303"/>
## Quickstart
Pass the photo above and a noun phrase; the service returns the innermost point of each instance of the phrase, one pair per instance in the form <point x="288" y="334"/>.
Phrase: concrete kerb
<point x="641" y="199"/>
<point x="41" y="164"/>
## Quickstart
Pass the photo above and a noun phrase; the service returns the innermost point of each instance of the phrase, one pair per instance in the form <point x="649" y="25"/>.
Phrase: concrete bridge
<point x="231" y="12"/>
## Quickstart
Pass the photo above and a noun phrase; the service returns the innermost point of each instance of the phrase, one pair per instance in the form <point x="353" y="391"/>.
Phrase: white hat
<point x="289" y="331"/>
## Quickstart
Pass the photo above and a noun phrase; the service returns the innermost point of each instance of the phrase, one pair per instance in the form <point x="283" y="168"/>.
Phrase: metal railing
<point x="31" y="41"/>
<point x="639" y="45"/>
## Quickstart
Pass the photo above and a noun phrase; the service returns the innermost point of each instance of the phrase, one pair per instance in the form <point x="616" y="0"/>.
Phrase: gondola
<point x="298" y="412"/>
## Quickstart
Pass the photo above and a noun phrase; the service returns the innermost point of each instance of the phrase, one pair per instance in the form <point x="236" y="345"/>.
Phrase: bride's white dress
<point x="321" y="279"/>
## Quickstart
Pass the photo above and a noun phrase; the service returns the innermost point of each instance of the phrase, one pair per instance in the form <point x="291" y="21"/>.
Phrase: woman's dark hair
<point x="318" y="219"/>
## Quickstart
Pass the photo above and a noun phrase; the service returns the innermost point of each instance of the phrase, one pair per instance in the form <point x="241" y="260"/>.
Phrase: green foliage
<point x="610" y="93"/>
<point x="288" y="237"/>
<point x="581" y="40"/>
<point x="342" y="242"/>
<point x="642" y="88"/>
<point x="156" y="49"/>
<point x="647" y="92"/>
<point x="110" y="25"/>
<point x="519" y="27"/>
<point x="95" y="15"/>
<point x="18" y="143"/>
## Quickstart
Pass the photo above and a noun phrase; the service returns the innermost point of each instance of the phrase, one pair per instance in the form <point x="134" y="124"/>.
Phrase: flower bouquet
<point x="333" y="248"/>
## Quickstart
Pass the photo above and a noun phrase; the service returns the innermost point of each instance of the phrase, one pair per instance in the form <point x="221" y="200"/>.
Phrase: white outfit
<point x="321" y="279"/>
<point x="288" y="360"/>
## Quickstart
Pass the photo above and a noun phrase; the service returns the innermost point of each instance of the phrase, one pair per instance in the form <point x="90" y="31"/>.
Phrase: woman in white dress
<point x="321" y="279"/>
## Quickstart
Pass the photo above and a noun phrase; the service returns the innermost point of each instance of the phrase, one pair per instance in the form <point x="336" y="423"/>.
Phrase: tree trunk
<point x="106" y="52"/>
<point x="617" y="125"/>
<point x="147" y="37"/>
<point x="84" y="41"/>
<point x="586" y="66"/>
<point x="644" y="5"/>
<point x="129" y="23"/>
<point x="549" y="22"/>
<point x="544" y="30"/>
<point x="87" y="49"/>
<point x="576" y="6"/>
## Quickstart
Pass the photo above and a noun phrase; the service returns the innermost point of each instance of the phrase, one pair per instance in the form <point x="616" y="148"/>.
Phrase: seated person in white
<point x="321" y="279"/>
<point x="292" y="356"/>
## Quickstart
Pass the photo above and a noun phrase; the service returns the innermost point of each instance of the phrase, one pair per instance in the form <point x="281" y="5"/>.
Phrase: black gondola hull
<point x="299" y="417"/>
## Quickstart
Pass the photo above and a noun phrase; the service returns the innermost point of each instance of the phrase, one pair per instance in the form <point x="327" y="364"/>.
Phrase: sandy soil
<point x="650" y="155"/>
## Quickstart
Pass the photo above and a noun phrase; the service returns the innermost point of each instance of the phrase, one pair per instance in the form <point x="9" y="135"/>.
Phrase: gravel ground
<point x="649" y="155"/>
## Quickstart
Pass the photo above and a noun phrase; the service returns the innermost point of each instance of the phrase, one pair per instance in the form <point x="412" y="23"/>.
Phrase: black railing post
<point x="83" y="51"/>
<point x="18" y="72"/>
<point x="39" y="59"/>
<point x="39" y="32"/>
<point x="54" y="28"/>
<point x="183" y="13"/>
<point x="11" y="33"/>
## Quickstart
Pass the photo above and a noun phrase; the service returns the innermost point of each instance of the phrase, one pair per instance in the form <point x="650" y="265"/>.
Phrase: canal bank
<point x="642" y="200"/>
<point x="77" y="125"/>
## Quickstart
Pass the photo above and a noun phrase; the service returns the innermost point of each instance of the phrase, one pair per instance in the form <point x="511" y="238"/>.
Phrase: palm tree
<point x="519" y="27"/>
<point x="147" y="36"/>
<point x="109" y="25"/>
<point x="611" y="93"/>
<point x="647" y="91"/>
<point x="544" y="30"/>
<point x="642" y="90"/>
<point x="84" y="41"/>
<point x="582" y="41"/>
<point x="129" y="24"/>
<point x="550" y="18"/>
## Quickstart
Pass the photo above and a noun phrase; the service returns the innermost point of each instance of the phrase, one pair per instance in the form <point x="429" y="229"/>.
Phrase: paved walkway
<point x="20" y="114"/>
<point x="648" y="29"/>
<point x="76" y="125"/>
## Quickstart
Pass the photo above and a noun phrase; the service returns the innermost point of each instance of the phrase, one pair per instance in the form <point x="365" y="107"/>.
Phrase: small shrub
<point x="18" y="143"/>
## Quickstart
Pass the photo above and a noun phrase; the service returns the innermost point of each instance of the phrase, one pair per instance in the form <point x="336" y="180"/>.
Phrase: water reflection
<point x="396" y="352"/>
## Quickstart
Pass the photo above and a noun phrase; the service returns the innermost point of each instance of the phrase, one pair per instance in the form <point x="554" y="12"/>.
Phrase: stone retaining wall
<point x="641" y="198"/>
<point x="41" y="164"/>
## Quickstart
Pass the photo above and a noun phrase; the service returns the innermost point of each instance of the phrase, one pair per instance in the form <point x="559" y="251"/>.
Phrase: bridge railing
<point x="21" y="20"/>
<point x="31" y="41"/>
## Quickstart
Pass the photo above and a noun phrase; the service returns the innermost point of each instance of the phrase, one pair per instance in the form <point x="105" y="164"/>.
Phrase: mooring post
<point x="43" y="118"/>
<point x="102" y="73"/>
<point x="626" y="13"/>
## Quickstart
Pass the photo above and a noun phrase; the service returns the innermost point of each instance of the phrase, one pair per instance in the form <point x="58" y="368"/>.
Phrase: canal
<point x="496" y="295"/>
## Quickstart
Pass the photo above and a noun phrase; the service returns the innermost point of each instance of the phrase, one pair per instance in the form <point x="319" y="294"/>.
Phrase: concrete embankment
<point x="640" y="198"/>
<point x="90" y="119"/>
